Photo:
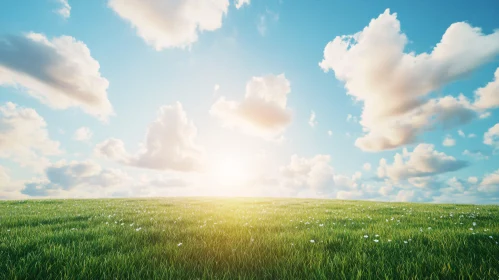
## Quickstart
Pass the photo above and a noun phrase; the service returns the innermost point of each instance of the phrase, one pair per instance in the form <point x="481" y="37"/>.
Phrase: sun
<point x="230" y="171"/>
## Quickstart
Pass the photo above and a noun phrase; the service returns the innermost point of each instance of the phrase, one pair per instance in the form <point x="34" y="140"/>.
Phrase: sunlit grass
<point x="188" y="238"/>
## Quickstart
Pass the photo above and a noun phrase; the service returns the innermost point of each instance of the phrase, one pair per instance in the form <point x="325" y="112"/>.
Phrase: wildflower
<point x="138" y="229"/>
<point x="471" y="228"/>
<point x="474" y="224"/>
<point x="321" y="225"/>
<point x="312" y="241"/>
<point x="405" y="242"/>
<point x="366" y="236"/>
<point x="376" y="240"/>
<point x="389" y="240"/>
<point x="377" y="235"/>
<point x="429" y="228"/>
<point x="180" y="244"/>
<point x="491" y="237"/>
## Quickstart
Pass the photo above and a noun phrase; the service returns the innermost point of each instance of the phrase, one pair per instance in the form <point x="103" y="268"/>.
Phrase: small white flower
<point x="405" y="242"/>
<point x="474" y="224"/>
<point x="429" y="228"/>
<point x="491" y="237"/>
<point x="389" y="240"/>
<point x="138" y="229"/>
<point x="321" y="225"/>
<point x="312" y="241"/>
<point x="366" y="236"/>
<point x="180" y="244"/>
<point x="376" y="240"/>
<point x="471" y="228"/>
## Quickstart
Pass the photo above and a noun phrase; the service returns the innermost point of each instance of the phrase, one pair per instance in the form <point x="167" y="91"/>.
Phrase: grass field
<point x="246" y="238"/>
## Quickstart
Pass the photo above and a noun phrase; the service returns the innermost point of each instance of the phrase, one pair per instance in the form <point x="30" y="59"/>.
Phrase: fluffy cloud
<point x="240" y="3"/>
<point x="449" y="141"/>
<point x="315" y="174"/>
<point x="24" y="137"/>
<point x="9" y="189"/>
<point x="312" y="121"/>
<point x="171" y="23"/>
<point x="61" y="73"/>
<point x="424" y="160"/>
<point x="65" y="10"/>
<point x="169" y="144"/>
<point x="394" y="85"/>
<point x="491" y="137"/>
<point x="490" y="183"/>
<point x="475" y="154"/>
<point x="488" y="96"/>
<point x="263" y="111"/>
<point x="82" y="134"/>
<point x="367" y="166"/>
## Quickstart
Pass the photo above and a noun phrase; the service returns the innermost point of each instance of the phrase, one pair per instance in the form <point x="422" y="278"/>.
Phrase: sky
<point x="364" y="100"/>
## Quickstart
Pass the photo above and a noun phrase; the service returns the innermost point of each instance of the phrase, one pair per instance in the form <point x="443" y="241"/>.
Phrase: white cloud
<point x="240" y="3"/>
<point x="61" y="73"/>
<point x="9" y="188"/>
<point x="65" y="10"/>
<point x="263" y="111"/>
<point x="24" y="137"/>
<point x="449" y="141"/>
<point x="490" y="183"/>
<point x="315" y="174"/>
<point x="485" y="115"/>
<point x="424" y="160"/>
<point x="171" y="23"/>
<point x="491" y="137"/>
<point x="312" y="121"/>
<point x="472" y="180"/>
<point x="394" y="85"/>
<point x="330" y="133"/>
<point x="488" y="97"/>
<point x="461" y="133"/>
<point x="351" y="118"/>
<point x="367" y="166"/>
<point x="475" y="154"/>
<point x="169" y="144"/>
<point x="82" y="134"/>
<point x="216" y="88"/>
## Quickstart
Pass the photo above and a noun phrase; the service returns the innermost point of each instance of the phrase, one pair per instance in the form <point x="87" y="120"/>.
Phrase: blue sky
<point x="215" y="98"/>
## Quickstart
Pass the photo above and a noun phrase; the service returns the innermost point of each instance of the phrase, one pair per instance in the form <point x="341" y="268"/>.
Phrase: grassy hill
<point x="246" y="238"/>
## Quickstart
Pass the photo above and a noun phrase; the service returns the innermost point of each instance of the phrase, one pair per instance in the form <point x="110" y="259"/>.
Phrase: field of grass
<point x="246" y="238"/>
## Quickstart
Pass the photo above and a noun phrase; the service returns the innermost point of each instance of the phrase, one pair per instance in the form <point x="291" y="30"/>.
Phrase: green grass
<point x="246" y="238"/>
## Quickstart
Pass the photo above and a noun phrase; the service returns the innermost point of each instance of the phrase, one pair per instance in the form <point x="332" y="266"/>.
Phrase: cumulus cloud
<point x="491" y="137"/>
<point x="315" y="174"/>
<point x="24" y="138"/>
<point x="169" y="144"/>
<point x="82" y="134"/>
<point x="424" y="160"/>
<point x="262" y="112"/>
<point x="488" y="96"/>
<point x="65" y="9"/>
<point x="394" y="85"/>
<point x="312" y="121"/>
<point x="367" y="166"/>
<point x="449" y="141"/>
<point x="9" y="188"/>
<point x="240" y="3"/>
<point x="171" y="23"/>
<point x="490" y="183"/>
<point x="60" y="72"/>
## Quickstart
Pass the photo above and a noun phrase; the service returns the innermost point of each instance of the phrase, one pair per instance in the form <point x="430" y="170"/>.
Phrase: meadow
<point x="246" y="238"/>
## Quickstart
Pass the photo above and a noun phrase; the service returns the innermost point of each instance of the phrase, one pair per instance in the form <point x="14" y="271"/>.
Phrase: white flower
<point x="321" y="225"/>
<point x="312" y="241"/>
<point x="137" y="229"/>
<point x="389" y="240"/>
<point x="377" y="235"/>
<point x="405" y="242"/>
<point x="429" y="228"/>
<point x="474" y="224"/>
<point x="471" y="228"/>
<point x="180" y="244"/>
<point x="376" y="240"/>
<point x="366" y="236"/>
<point x="491" y="237"/>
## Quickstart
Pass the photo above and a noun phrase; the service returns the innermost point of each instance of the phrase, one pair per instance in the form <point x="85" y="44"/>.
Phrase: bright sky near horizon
<point x="374" y="100"/>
